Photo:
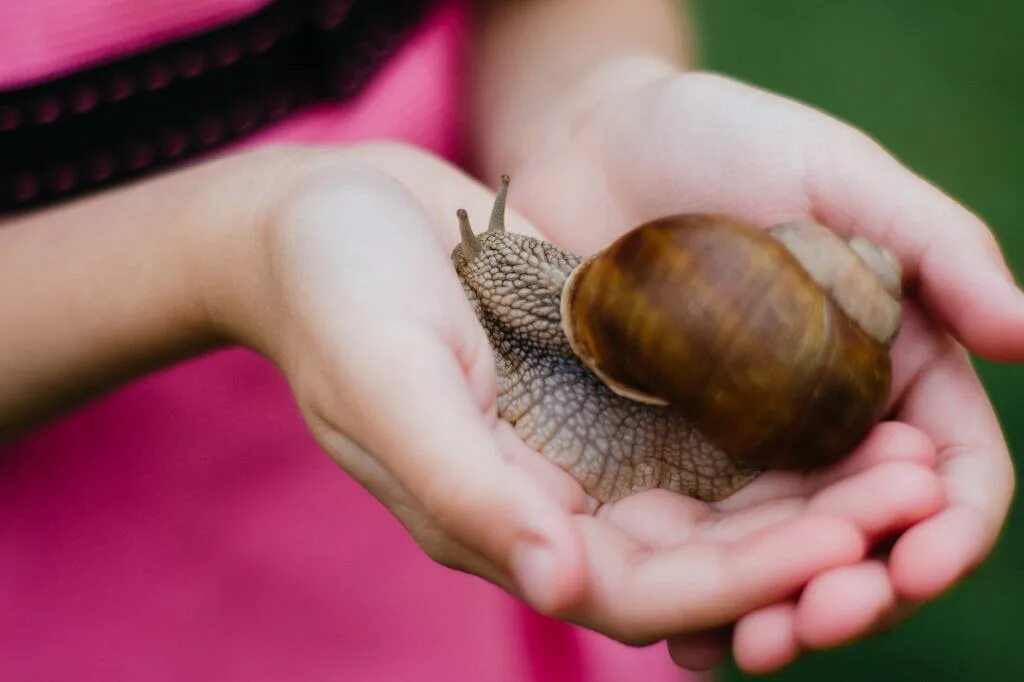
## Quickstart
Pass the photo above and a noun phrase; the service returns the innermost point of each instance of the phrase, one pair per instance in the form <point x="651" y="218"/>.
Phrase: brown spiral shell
<point x="718" y="320"/>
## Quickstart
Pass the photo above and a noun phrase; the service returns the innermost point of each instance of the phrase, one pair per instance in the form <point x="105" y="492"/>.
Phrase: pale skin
<point x="339" y="273"/>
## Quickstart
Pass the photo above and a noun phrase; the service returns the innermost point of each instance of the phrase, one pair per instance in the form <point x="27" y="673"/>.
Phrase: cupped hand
<point x="361" y="309"/>
<point x="939" y="470"/>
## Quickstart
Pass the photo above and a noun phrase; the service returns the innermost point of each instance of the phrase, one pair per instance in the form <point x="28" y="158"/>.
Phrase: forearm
<point x="535" y="62"/>
<point x="107" y="288"/>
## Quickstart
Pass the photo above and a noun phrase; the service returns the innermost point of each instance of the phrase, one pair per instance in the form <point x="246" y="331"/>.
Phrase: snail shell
<point x="774" y="344"/>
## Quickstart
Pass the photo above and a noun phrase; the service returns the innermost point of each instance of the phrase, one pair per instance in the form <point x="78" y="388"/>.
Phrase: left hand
<point x="702" y="143"/>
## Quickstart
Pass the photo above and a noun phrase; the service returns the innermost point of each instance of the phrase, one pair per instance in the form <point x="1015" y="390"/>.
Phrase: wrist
<point x="114" y="286"/>
<point x="228" y="256"/>
<point x="258" y="204"/>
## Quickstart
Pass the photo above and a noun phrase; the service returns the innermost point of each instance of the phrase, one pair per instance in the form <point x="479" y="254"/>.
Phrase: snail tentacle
<point x="470" y="244"/>
<point x="497" y="223"/>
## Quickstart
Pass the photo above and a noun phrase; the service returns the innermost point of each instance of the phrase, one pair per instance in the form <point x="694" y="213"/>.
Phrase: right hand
<point x="356" y="300"/>
<point x="639" y="140"/>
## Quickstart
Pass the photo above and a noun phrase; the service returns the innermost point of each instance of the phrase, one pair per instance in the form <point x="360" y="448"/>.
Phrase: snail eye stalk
<point x="497" y="223"/>
<point x="470" y="244"/>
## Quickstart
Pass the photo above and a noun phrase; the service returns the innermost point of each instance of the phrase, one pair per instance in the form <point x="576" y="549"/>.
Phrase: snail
<point x="692" y="354"/>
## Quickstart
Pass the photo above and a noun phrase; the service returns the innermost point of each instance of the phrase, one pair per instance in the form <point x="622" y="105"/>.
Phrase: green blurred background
<point x="940" y="84"/>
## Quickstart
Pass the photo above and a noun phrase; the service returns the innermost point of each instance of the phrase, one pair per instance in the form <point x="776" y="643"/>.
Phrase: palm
<point x="396" y="379"/>
<point x="702" y="144"/>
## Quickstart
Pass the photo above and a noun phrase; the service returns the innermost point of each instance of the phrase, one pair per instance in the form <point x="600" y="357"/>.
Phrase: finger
<point x="699" y="651"/>
<point x="931" y="557"/>
<point x="920" y="341"/>
<point x="372" y="475"/>
<point x="412" y="380"/>
<point x="854" y="186"/>
<point x="734" y="526"/>
<point x="550" y="477"/>
<point x="868" y="606"/>
<point x="896" y="615"/>
<point x="949" y="402"/>
<point x="843" y="604"/>
<point x="871" y="621"/>
<point x="640" y="595"/>
<point x="765" y="640"/>
<point x="887" y="442"/>
<point x="889" y="497"/>
<point x="659" y="519"/>
<point x="431" y="434"/>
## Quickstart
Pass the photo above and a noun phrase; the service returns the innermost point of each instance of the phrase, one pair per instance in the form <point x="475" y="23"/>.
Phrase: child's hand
<point x="683" y="143"/>
<point x="362" y="310"/>
<point x="335" y="264"/>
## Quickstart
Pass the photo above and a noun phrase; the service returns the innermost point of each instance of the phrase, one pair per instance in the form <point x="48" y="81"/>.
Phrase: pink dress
<point x="187" y="527"/>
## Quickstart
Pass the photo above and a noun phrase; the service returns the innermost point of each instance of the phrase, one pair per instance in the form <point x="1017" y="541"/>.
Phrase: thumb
<point x="947" y="252"/>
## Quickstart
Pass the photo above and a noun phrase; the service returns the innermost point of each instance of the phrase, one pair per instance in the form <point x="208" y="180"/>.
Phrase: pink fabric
<point x="45" y="38"/>
<point x="187" y="527"/>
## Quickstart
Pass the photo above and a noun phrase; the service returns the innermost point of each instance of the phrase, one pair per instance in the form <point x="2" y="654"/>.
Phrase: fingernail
<point x="533" y="565"/>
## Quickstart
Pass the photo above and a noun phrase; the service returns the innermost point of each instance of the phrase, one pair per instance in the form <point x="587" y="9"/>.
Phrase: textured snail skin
<point x="611" y="445"/>
<point x="691" y="354"/>
<point x="721" y="321"/>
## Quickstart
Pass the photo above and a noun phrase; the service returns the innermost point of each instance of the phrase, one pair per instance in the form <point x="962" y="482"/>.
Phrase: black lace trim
<point x="130" y="117"/>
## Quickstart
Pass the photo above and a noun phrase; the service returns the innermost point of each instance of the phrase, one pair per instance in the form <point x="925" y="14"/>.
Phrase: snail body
<point x="691" y="353"/>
